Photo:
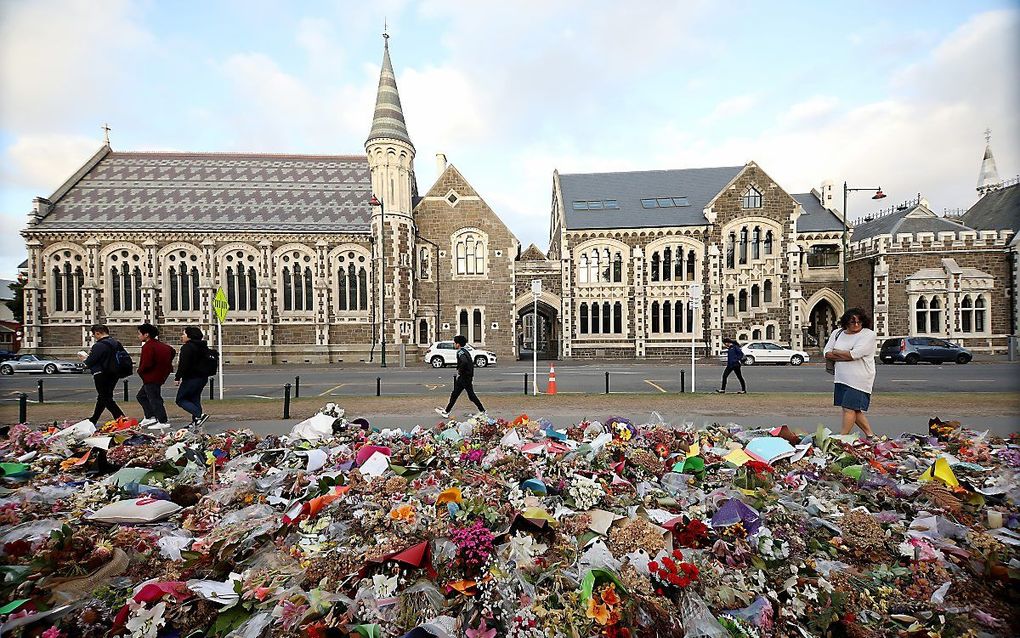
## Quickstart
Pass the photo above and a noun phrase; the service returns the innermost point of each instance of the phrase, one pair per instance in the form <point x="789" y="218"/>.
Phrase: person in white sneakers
<point x="464" y="380"/>
<point x="154" y="367"/>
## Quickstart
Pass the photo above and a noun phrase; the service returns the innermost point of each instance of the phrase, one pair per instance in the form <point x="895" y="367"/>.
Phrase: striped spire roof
<point x="388" y="121"/>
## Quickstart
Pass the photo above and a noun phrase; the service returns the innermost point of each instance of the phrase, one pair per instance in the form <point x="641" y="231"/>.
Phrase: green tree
<point x="17" y="305"/>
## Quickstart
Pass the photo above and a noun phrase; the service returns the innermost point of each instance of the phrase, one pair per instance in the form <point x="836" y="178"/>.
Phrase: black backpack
<point x="120" y="363"/>
<point x="210" y="362"/>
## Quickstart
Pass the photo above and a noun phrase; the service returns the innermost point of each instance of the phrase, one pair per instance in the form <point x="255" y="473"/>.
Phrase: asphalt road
<point x="571" y="377"/>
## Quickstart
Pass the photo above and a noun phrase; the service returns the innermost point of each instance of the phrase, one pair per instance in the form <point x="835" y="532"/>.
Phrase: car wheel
<point x="796" y="360"/>
<point x="748" y="360"/>
<point x="481" y="362"/>
<point x="6" y="370"/>
<point x="963" y="359"/>
<point x="437" y="362"/>
<point x="887" y="362"/>
<point x="912" y="359"/>
<point x="50" y="369"/>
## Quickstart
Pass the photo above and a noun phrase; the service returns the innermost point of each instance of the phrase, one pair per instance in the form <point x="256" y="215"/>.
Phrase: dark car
<point x="913" y="350"/>
<point x="7" y="354"/>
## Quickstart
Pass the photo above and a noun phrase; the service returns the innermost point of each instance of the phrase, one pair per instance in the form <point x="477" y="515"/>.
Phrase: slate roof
<point x="815" y="218"/>
<point x="997" y="210"/>
<point x="913" y="219"/>
<point x="216" y="192"/>
<point x="6" y="294"/>
<point x="698" y="185"/>
<point x="388" y="121"/>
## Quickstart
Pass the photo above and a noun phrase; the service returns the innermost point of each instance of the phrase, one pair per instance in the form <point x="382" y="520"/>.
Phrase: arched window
<point x="607" y="318"/>
<point x="678" y="317"/>
<point x="742" y="301"/>
<point x="966" y="314"/>
<point x="423" y="265"/>
<point x="755" y="296"/>
<point x="655" y="316"/>
<point x="756" y="243"/>
<point x="655" y="266"/>
<point x="690" y="266"/>
<point x="768" y="242"/>
<point x="731" y="309"/>
<point x="979" y="314"/>
<point x="242" y="281"/>
<point x="618" y="318"/>
<point x="68" y="281"/>
<point x="743" y="245"/>
<point x="593" y="267"/>
<point x="595" y="324"/>
<point x="731" y="246"/>
<point x="582" y="270"/>
<point x="767" y="291"/>
<point x="667" y="264"/>
<point x="181" y="282"/>
<point x="751" y="198"/>
<point x="678" y="264"/>
<point x="921" y="315"/>
<point x="58" y="288"/>
<point x="125" y="282"/>
<point x="607" y="265"/>
<point x="935" y="316"/>
<point x="690" y="317"/>
<point x="770" y="331"/>
<point x="287" y="292"/>
<point x="464" y="322"/>
<point x="351" y="281"/>
<point x="470" y="251"/>
<point x="756" y="334"/>
<point x="476" y="335"/>
<point x="584" y="318"/>
<point x="618" y="268"/>
<point x="667" y="316"/>
<point x="423" y="331"/>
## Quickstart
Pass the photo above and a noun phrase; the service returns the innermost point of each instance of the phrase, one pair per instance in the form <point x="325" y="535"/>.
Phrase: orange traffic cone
<point x="551" y="388"/>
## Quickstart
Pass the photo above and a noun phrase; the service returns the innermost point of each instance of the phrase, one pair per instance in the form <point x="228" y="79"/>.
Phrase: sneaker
<point x="159" y="426"/>
<point x="721" y="391"/>
<point x="201" y="420"/>
<point x="443" y="413"/>
<point x="741" y="391"/>
<point x="147" y="421"/>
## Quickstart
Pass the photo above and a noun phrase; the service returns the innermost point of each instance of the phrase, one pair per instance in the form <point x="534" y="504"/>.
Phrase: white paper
<point x="601" y="521"/>
<point x="100" y="442"/>
<point x="511" y="439"/>
<point x="80" y="430"/>
<point x="375" y="465"/>
<point x="215" y="591"/>
<point x="316" y="459"/>
<point x="172" y="546"/>
<point x="318" y="427"/>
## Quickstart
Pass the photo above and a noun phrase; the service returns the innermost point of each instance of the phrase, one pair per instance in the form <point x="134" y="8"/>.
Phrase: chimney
<point x="440" y="163"/>
<point x="40" y="208"/>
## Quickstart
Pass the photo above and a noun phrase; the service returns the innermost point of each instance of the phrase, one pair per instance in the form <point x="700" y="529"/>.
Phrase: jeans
<point x="734" y="368"/>
<point x="105" y="385"/>
<point x="151" y="400"/>
<point x="462" y="384"/>
<point x="189" y="396"/>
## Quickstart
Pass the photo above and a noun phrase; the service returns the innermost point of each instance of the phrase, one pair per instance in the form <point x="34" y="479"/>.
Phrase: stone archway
<point x="548" y="345"/>
<point x="821" y="322"/>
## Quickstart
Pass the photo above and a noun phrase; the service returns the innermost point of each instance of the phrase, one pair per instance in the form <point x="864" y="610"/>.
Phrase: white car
<point x="768" y="352"/>
<point x="445" y="353"/>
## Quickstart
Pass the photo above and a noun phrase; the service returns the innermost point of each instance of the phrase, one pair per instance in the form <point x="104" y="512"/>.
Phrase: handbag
<point x="830" y="365"/>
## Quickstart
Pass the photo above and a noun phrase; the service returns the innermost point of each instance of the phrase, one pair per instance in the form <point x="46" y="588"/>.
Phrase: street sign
<point x="695" y="292"/>
<point x="220" y="305"/>
<point x="536" y="288"/>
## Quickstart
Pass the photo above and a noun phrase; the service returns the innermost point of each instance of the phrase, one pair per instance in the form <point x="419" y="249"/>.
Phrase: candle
<point x="994" y="519"/>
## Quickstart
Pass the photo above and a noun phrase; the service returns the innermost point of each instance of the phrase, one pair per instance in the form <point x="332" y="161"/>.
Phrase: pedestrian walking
<point x="464" y="379"/>
<point x="154" y="367"/>
<point x="193" y="371"/>
<point x="852" y="348"/>
<point x="101" y="360"/>
<point x="734" y="355"/>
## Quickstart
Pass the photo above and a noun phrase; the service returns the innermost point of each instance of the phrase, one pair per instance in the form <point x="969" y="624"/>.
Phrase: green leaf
<point x="229" y="620"/>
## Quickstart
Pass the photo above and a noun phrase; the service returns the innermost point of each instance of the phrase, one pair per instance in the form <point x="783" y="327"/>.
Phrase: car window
<point x="772" y="346"/>
<point x="29" y="357"/>
<point x="752" y="346"/>
<point x="890" y="343"/>
<point x="938" y="343"/>
<point x="446" y="345"/>
<point x="918" y="341"/>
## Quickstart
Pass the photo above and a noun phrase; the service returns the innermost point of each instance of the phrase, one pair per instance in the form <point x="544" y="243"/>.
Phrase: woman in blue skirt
<point x="852" y="347"/>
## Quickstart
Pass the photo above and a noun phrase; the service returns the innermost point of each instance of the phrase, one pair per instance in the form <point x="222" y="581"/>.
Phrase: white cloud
<point x="43" y="162"/>
<point x="810" y="111"/>
<point x="731" y="107"/>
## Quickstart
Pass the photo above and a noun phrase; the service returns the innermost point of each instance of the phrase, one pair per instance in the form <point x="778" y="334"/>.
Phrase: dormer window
<point x="752" y="198"/>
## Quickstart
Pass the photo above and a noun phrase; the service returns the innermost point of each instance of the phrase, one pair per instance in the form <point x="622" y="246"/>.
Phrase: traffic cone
<point x="551" y="388"/>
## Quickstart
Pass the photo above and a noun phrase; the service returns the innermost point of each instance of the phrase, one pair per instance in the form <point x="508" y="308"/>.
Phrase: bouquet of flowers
<point x="672" y="575"/>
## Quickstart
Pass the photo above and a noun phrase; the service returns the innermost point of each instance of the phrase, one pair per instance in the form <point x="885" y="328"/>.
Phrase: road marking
<point x="257" y="396"/>
<point x="976" y="380"/>
<point x="434" y="386"/>
<point x="656" y="386"/>
<point x="910" y="380"/>
<point x="332" y="389"/>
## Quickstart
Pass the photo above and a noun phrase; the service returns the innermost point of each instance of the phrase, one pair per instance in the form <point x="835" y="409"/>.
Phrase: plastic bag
<point x="698" y="621"/>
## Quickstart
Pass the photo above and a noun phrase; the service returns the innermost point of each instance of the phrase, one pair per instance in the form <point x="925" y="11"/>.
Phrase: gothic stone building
<point x="923" y="275"/>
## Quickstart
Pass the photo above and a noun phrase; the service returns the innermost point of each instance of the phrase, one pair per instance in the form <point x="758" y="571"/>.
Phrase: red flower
<point x="677" y="554"/>
<point x="653" y="566"/>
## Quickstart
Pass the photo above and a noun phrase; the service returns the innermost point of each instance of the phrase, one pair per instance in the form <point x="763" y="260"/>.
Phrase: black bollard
<point x="607" y="382"/>
<point x="286" y="401"/>
<point x="125" y="390"/>
<point x="525" y="384"/>
<point x="297" y="387"/>
<point x="683" y="384"/>
<point x="40" y="391"/>
<point x="22" y="408"/>
<point x="212" y="387"/>
<point x="378" y="386"/>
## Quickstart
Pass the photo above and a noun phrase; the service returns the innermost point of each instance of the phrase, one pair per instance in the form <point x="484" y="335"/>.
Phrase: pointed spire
<point x="388" y="121"/>
<point x="988" y="178"/>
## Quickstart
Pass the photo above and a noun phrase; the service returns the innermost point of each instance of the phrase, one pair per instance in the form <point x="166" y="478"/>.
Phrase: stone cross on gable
<point x="106" y="133"/>
<point x="988" y="136"/>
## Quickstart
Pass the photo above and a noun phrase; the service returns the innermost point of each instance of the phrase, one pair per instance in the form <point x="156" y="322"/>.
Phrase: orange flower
<point x="520" y="420"/>
<point x="449" y="495"/>
<point x="600" y="613"/>
<point x="403" y="513"/>
<point x="609" y="595"/>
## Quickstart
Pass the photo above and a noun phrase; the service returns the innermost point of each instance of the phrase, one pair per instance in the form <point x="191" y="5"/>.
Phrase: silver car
<point x="47" y="365"/>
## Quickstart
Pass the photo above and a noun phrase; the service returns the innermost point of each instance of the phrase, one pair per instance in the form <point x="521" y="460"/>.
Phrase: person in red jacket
<point x="154" y="368"/>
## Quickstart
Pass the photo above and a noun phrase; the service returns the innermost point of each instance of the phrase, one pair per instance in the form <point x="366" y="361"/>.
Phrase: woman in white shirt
<point x="852" y="347"/>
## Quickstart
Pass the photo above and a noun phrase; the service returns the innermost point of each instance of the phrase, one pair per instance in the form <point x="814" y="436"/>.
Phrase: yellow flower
<point x="449" y="495"/>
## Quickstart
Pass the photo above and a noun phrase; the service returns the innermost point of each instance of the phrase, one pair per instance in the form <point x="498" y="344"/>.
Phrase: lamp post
<point x="382" y="269"/>
<point x="878" y="195"/>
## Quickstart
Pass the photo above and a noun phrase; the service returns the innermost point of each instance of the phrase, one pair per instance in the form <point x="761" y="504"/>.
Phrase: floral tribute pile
<point x="487" y="528"/>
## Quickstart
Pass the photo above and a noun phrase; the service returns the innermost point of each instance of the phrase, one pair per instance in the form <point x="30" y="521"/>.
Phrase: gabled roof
<point x="216" y="191"/>
<point x="815" y="218"/>
<point x="911" y="219"/>
<point x="627" y="189"/>
<point x="997" y="210"/>
<point x="388" y="121"/>
<point x="532" y="254"/>
<point x="6" y="294"/>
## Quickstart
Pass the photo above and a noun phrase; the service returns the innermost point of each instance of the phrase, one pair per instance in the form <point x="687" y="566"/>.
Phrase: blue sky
<point x="891" y="94"/>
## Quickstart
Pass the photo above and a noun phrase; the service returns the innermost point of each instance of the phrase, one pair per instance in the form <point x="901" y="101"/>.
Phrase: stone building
<point x="922" y="274"/>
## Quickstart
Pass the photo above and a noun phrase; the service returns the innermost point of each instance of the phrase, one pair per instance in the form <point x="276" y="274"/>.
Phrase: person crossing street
<point x="464" y="380"/>
<point x="734" y="355"/>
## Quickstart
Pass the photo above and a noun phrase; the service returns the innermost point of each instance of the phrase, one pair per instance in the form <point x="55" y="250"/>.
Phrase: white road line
<point x="257" y="396"/>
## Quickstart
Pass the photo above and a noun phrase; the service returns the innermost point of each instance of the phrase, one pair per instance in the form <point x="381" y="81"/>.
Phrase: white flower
<point x="383" y="586"/>
<point x="145" y="623"/>
<point x="523" y="549"/>
<point x="586" y="492"/>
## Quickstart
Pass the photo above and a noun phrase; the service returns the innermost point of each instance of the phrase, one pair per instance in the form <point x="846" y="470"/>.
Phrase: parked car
<point x="32" y="363"/>
<point x="768" y="352"/>
<point x="911" y="350"/>
<point x="7" y="354"/>
<point x="444" y="353"/>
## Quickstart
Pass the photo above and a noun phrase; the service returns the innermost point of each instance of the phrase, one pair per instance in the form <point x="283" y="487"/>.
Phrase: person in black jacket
<point x="100" y="362"/>
<point x="465" y="378"/>
<point x="192" y="374"/>
<point x="734" y="355"/>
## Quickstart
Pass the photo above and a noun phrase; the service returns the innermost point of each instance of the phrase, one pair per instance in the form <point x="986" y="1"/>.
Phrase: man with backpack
<point x="734" y="355"/>
<point x="107" y="361"/>
<point x="154" y="367"/>
<point x="197" y="363"/>
<point x="464" y="380"/>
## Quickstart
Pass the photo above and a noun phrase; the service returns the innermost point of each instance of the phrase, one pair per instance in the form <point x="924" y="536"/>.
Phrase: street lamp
<point x="878" y="195"/>
<point x="382" y="269"/>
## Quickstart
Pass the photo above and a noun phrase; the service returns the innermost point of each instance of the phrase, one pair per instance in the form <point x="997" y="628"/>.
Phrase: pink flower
<point x="483" y="631"/>
<point x="53" y="632"/>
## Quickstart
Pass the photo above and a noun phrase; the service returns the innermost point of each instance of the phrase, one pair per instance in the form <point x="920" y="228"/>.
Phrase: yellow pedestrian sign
<point x="220" y="305"/>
